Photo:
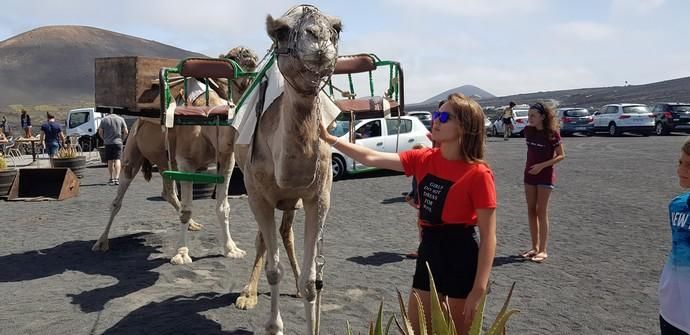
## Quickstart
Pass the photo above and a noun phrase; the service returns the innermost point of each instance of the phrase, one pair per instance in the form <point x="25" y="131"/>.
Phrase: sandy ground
<point x="609" y="241"/>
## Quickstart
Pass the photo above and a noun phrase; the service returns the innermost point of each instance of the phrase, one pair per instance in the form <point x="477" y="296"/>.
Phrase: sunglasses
<point x="442" y="117"/>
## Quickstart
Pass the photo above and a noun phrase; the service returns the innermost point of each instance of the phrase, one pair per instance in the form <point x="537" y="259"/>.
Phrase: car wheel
<point x="613" y="130"/>
<point x="338" y="167"/>
<point x="659" y="129"/>
<point x="590" y="133"/>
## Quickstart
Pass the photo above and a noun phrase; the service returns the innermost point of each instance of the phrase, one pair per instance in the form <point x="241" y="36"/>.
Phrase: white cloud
<point x="471" y="8"/>
<point x="639" y="7"/>
<point x="585" y="31"/>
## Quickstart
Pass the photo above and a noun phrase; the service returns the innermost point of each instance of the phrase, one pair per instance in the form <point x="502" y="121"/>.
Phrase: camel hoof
<point x="246" y="301"/>
<point x="182" y="257"/>
<point x="274" y="329"/>
<point x="235" y="252"/>
<point x="101" y="245"/>
<point x="193" y="226"/>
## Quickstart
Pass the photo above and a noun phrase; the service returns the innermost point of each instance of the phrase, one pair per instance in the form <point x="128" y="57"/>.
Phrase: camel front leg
<point x="264" y="214"/>
<point x="248" y="296"/>
<point x="230" y="249"/>
<point x="289" y="242"/>
<point x="170" y="195"/>
<point x="182" y="256"/>
<point x="315" y="212"/>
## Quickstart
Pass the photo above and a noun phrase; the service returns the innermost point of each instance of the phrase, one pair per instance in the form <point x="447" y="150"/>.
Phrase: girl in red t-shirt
<point x="456" y="195"/>
<point x="544" y="150"/>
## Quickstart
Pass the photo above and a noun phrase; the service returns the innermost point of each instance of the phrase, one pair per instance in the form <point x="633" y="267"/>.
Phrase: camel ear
<point x="336" y="24"/>
<point x="278" y="29"/>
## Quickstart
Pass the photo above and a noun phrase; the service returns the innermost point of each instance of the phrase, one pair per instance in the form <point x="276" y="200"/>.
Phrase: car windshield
<point x="639" y="109"/>
<point x="342" y="127"/>
<point x="681" y="108"/>
<point x="576" y="112"/>
<point x="520" y="113"/>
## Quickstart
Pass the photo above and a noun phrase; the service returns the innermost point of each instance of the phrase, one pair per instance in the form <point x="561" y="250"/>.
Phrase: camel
<point x="287" y="161"/>
<point x="146" y="146"/>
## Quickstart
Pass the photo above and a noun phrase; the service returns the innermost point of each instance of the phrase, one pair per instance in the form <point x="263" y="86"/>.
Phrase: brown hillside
<point x="55" y="64"/>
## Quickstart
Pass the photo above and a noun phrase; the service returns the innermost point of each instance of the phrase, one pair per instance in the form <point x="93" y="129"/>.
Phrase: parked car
<point x="487" y="125"/>
<point x="575" y="120"/>
<point x="671" y="116"/>
<point x="519" y="123"/>
<point x="618" y="118"/>
<point x="379" y="134"/>
<point x="423" y="116"/>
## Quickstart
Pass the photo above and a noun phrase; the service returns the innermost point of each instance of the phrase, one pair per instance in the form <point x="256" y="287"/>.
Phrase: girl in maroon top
<point x="456" y="196"/>
<point x="544" y="150"/>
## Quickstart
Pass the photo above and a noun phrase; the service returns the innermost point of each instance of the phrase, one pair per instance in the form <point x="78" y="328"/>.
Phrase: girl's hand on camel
<point x="323" y="133"/>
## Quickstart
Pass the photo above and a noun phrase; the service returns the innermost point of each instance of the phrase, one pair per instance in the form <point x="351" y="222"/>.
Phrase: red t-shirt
<point x="449" y="191"/>
<point x="540" y="148"/>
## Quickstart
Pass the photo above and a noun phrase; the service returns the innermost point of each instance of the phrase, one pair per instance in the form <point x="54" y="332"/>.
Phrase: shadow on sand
<point x="178" y="315"/>
<point x="503" y="260"/>
<point x="378" y="258"/>
<point x="128" y="262"/>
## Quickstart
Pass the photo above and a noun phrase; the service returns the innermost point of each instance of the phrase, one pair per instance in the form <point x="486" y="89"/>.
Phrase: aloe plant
<point x="441" y="319"/>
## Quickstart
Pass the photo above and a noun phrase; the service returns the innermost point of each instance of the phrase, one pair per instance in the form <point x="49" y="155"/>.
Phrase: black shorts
<point x="507" y="121"/>
<point x="451" y="251"/>
<point x="113" y="152"/>
<point x="669" y="329"/>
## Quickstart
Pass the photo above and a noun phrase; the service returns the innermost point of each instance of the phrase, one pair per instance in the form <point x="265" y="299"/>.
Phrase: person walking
<point x="25" y="121"/>
<point x="456" y="195"/>
<point x="544" y="150"/>
<point x="507" y="118"/>
<point x="51" y="136"/>
<point x="3" y="124"/>
<point x="113" y="130"/>
<point x="674" y="284"/>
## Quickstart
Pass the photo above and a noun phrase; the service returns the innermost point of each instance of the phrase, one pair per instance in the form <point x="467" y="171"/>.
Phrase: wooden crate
<point x="127" y="82"/>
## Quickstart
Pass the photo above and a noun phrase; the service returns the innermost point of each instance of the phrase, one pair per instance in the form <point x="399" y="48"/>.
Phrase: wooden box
<point x="128" y="82"/>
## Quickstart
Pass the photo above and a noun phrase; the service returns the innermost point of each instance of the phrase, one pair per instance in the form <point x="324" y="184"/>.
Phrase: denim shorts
<point x="549" y="186"/>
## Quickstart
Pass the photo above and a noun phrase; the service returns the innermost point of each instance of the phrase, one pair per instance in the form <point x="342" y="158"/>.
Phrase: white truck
<point x="83" y="124"/>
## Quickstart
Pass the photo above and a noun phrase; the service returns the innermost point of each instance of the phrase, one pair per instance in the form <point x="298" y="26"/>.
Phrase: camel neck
<point x="299" y="116"/>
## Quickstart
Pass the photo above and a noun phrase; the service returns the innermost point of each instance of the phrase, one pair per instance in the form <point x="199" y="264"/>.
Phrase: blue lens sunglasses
<point x="441" y="116"/>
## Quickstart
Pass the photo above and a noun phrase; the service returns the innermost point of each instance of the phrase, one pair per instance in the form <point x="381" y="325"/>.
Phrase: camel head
<point x="247" y="59"/>
<point x="306" y="42"/>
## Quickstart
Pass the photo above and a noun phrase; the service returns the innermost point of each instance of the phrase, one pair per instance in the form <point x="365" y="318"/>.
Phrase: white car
<point x="380" y="134"/>
<point x="618" y="118"/>
<point x="519" y="123"/>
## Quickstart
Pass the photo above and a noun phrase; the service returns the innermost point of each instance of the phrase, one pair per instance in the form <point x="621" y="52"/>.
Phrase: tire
<point x="613" y="130"/>
<point x="590" y="133"/>
<point x="338" y="167"/>
<point x="660" y="130"/>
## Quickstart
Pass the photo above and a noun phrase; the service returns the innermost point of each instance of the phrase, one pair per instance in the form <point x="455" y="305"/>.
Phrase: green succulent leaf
<point x="438" y="322"/>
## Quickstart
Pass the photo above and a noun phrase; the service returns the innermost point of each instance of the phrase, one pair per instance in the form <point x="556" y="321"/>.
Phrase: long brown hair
<point x="550" y="124"/>
<point x="471" y="118"/>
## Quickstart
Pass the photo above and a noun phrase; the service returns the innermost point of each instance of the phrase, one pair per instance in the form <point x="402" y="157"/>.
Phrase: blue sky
<point x="503" y="46"/>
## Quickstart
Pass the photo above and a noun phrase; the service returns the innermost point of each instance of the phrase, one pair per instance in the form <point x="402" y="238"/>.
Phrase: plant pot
<point x="101" y="154"/>
<point x="6" y="179"/>
<point x="199" y="191"/>
<point x="76" y="164"/>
